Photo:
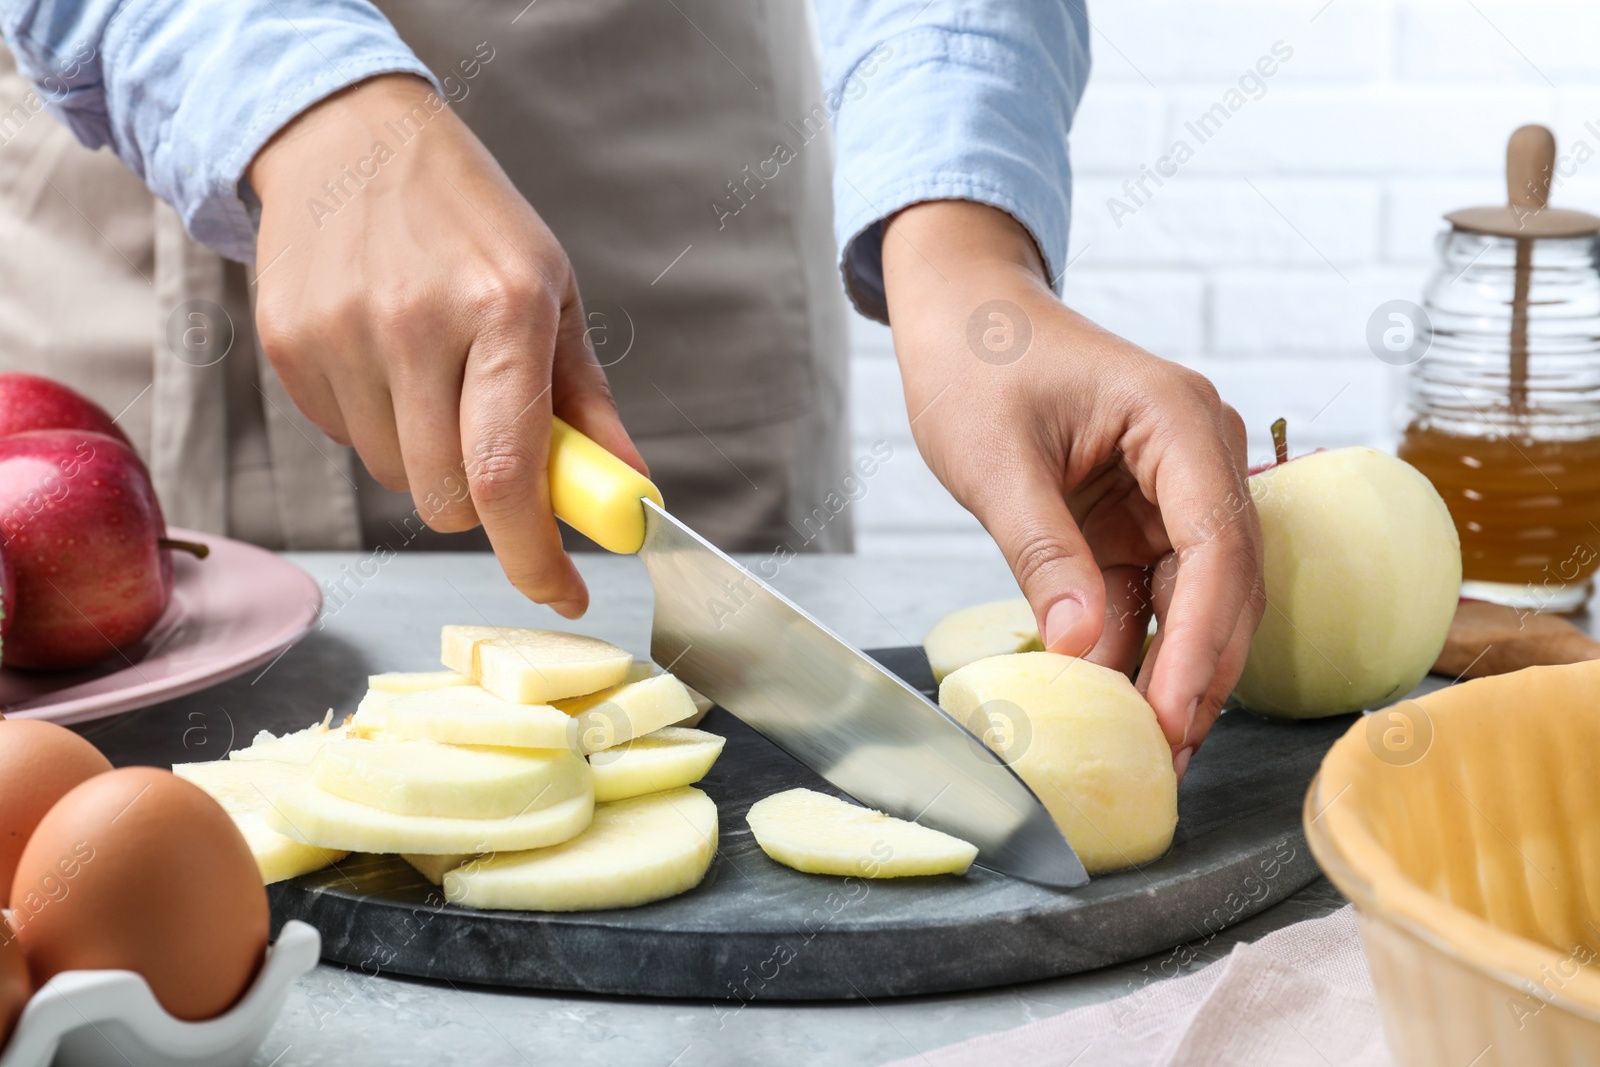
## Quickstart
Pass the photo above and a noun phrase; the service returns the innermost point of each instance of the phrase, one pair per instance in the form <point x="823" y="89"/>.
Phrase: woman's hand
<point x="1113" y="481"/>
<point x="416" y="307"/>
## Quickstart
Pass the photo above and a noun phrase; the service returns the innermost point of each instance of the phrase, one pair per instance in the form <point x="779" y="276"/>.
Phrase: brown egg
<point x="39" y="763"/>
<point x="137" y="869"/>
<point x="15" y="986"/>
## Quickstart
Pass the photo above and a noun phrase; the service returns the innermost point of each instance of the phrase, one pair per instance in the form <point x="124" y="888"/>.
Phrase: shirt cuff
<point x="190" y="120"/>
<point x="994" y="115"/>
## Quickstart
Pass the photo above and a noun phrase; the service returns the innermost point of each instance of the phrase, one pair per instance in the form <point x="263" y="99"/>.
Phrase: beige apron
<point x="647" y="136"/>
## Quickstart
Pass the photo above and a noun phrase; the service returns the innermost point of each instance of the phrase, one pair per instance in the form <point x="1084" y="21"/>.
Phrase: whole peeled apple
<point x="29" y="402"/>
<point x="83" y="534"/>
<point x="1363" y="572"/>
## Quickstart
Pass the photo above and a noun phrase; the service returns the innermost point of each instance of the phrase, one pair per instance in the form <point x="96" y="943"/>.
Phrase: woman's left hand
<point x="1113" y="481"/>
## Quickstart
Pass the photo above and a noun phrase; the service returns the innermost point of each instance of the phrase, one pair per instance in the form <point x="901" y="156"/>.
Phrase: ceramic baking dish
<point x="1465" y="827"/>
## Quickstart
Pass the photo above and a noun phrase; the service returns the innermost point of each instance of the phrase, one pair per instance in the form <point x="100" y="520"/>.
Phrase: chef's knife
<point x="723" y="631"/>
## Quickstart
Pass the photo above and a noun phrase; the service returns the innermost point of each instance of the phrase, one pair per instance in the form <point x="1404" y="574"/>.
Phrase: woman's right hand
<point x="416" y="306"/>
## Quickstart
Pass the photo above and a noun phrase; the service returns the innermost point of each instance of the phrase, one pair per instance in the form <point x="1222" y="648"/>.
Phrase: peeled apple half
<point x="981" y="631"/>
<point x="1084" y="741"/>
<point x="635" y="851"/>
<point x="821" y="834"/>
<point x="1363" y="572"/>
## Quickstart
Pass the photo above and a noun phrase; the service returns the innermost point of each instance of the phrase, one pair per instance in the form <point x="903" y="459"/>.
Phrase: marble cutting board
<point x="755" y="930"/>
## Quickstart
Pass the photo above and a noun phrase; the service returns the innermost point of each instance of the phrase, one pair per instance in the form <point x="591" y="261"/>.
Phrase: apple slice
<point x="639" y="670"/>
<point x="453" y="781"/>
<point x="464" y="715"/>
<point x="456" y="645"/>
<point x="301" y="746"/>
<point x="415" y="681"/>
<point x="1084" y="741"/>
<point x="433" y="868"/>
<point x="643" y="669"/>
<point x="821" y="834"/>
<point x="317" y="817"/>
<point x="978" y="632"/>
<point x="245" y="789"/>
<point x="635" y="851"/>
<point x="546" y="665"/>
<point x="702" y="704"/>
<point x="664" y="759"/>
<point x="623" y="712"/>
<point x="373" y="704"/>
<point x="533" y="666"/>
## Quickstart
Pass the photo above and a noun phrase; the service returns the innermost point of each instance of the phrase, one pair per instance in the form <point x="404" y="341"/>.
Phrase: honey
<point x="1527" y="511"/>
<point x="1503" y="387"/>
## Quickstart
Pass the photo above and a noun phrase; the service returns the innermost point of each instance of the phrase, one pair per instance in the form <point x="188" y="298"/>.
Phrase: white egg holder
<point x="99" y="1018"/>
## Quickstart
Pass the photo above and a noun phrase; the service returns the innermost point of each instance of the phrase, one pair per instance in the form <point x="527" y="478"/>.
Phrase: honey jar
<point x="1503" y="406"/>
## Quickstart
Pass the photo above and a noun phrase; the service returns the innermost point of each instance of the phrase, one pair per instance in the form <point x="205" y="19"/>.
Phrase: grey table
<point x="384" y="613"/>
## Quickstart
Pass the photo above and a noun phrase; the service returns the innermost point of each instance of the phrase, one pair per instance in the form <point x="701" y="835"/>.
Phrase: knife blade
<point x="726" y="633"/>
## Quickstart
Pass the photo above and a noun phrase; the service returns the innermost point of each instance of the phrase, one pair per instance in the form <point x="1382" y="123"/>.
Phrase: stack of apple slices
<point x="543" y="771"/>
<point x="244" y="786"/>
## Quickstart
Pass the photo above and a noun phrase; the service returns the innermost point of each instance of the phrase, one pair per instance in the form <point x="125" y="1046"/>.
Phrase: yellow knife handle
<point x="596" y="493"/>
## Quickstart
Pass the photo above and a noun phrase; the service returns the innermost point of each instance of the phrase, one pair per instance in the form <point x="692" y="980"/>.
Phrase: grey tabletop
<point x="384" y="613"/>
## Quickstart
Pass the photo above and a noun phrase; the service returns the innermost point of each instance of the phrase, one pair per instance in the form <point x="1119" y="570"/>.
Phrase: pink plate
<point x="239" y="608"/>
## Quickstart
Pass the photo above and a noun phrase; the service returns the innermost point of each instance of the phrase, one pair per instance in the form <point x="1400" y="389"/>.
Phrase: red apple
<point x="8" y="592"/>
<point x="29" y="402"/>
<point x="83" y="533"/>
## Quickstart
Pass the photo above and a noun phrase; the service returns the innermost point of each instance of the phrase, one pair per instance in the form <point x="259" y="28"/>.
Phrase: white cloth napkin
<point x="1299" y="996"/>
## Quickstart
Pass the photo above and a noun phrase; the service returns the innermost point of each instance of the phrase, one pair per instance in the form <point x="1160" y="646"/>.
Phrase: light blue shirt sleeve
<point x="949" y="99"/>
<point x="187" y="91"/>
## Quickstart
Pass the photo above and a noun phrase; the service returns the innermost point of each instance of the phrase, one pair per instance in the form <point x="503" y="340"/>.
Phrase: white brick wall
<point x="1259" y="263"/>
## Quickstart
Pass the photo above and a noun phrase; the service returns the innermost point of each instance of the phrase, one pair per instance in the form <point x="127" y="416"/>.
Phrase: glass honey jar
<point x="1503" y="407"/>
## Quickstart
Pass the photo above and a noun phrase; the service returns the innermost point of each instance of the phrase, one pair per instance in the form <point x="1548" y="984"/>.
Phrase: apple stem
<point x="1280" y="439"/>
<point x="194" y="548"/>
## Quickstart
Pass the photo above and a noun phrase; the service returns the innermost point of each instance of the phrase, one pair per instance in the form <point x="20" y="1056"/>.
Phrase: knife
<point x="723" y="631"/>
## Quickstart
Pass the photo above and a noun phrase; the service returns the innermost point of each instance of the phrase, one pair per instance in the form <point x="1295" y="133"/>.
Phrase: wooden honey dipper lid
<point x="1530" y="164"/>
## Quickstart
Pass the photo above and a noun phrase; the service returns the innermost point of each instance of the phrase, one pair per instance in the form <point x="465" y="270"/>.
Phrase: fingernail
<point x="1188" y="718"/>
<point x="1180" y="762"/>
<point x="567" y="609"/>
<point x="1060" y="620"/>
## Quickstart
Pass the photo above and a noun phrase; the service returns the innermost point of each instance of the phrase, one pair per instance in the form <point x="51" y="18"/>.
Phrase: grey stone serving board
<point x="756" y="930"/>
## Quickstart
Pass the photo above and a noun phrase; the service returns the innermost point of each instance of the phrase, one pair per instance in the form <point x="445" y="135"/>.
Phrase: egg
<point x="15" y="986"/>
<point x="39" y="763"/>
<point x="137" y="869"/>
